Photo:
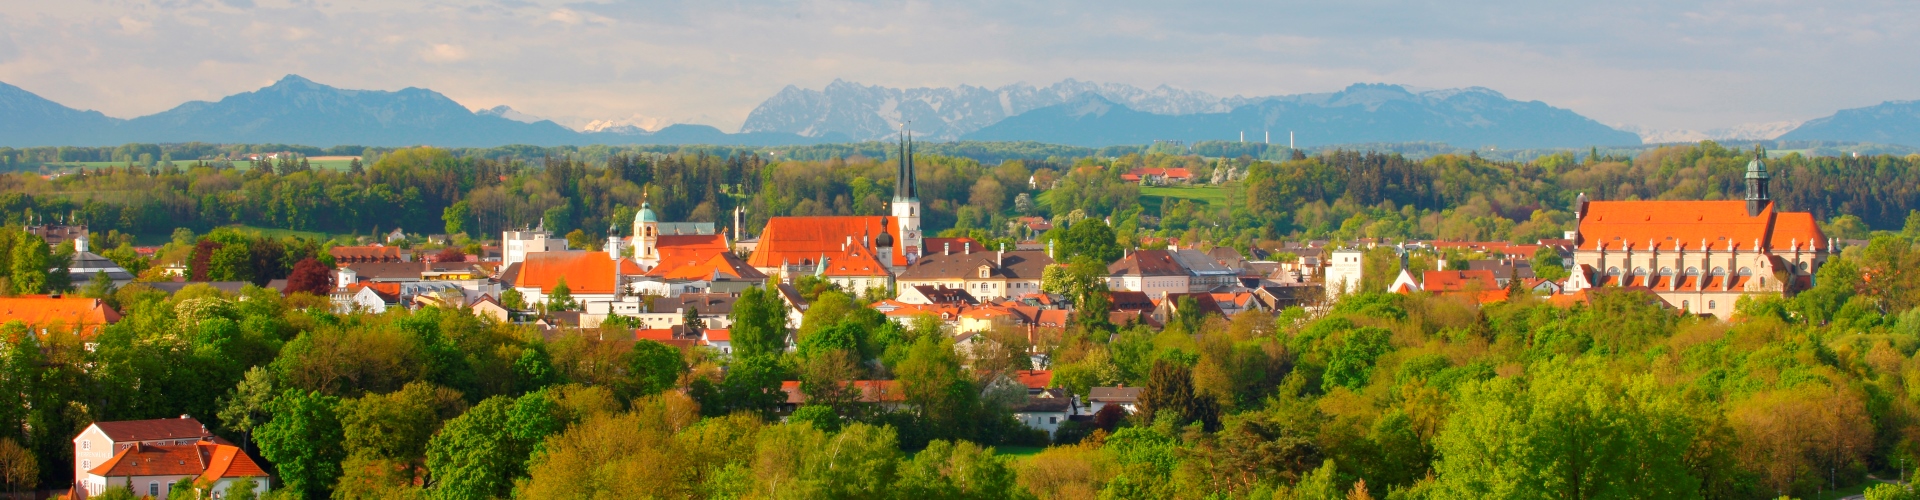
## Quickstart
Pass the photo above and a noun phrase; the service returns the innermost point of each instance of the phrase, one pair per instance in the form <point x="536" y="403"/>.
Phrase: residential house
<point x="1154" y="272"/>
<point x="152" y="470"/>
<point x="1343" y="273"/>
<point x="983" y="274"/>
<point x="343" y="255"/>
<point x="1204" y="273"/>
<point x="885" y="394"/>
<point x="101" y="441"/>
<point x="59" y="313"/>
<point x="57" y="233"/>
<point x="721" y="272"/>
<point x="1045" y="414"/>
<point x="1127" y="398"/>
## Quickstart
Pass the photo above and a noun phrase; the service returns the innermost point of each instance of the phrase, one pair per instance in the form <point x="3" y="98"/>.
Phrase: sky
<point x="1657" y="64"/>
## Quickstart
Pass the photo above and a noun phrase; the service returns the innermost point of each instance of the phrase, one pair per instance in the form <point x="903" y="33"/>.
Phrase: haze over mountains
<point x="296" y="110"/>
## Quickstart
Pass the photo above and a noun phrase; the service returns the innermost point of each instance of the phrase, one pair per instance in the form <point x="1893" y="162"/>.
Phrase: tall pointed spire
<point x="904" y="188"/>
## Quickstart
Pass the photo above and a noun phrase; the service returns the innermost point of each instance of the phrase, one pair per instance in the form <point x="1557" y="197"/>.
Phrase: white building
<point x="1343" y="273"/>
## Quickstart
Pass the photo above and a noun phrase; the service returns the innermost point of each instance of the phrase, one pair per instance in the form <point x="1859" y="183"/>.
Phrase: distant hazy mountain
<point x="1891" y="122"/>
<point x="296" y="110"/>
<point x="28" y="119"/>
<point x="1362" y="113"/>
<point x="1743" y="132"/>
<point x="874" y="113"/>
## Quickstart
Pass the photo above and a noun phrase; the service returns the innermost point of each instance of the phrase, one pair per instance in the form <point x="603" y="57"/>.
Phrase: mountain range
<point x="295" y="110"/>
<point x="1362" y="113"/>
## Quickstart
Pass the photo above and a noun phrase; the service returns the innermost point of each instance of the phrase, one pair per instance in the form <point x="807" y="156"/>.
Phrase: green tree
<point x="1092" y="238"/>
<point x="1570" y="433"/>
<point x="957" y="470"/>
<point x="396" y="425"/>
<point x="652" y="367"/>
<point x="1547" y="265"/>
<point x="1350" y="362"/>
<point x="476" y="456"/>
<point x="30" y="264"/>
<point x="18" y="467"/>
<point x="562" y="297"/>
<point x="1169" y="396"/>
<point x="513" y="300"/>
<point x="303" y="441"/>
<point x="457" y="216"/>
<point x="759" y="325"/>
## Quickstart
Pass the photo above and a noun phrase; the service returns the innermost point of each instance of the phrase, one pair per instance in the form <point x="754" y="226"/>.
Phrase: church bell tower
<point x="906" y="201"/>
<point x="1757" y="198"/>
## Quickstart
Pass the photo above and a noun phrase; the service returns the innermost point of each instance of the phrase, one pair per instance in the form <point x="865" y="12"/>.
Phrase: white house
<point x="1343" y="273"/>
<point x="101" y="441"/>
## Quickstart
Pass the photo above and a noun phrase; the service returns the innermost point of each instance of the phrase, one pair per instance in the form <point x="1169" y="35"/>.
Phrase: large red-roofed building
<point x="1699" y="256"/>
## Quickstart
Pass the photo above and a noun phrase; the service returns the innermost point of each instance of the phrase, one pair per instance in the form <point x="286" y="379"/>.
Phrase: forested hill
<point x="1891" y="122"/>
<point x="1474" y="117"/>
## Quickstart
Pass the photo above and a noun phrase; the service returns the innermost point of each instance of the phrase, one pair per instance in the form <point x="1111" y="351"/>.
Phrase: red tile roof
<point x="793" y="240"/>
<point x="84" y="315"/>
<point x="1454" y="281"/>
<point x="369" y="253"/>
<point x="1035" y="379"/>
<point x="585" y="271"/>
<point x="871" y="391"/>
<point x="153" y="430"/>
<point x="228" y="461"/>
<point x="718" y="265"/>
<point x="1671" y="225"/>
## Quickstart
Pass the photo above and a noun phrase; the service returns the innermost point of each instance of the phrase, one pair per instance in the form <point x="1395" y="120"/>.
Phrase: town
<point x="843" y="299"/>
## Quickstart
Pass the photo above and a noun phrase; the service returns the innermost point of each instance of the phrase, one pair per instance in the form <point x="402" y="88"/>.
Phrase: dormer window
<point x="986" y="271"/>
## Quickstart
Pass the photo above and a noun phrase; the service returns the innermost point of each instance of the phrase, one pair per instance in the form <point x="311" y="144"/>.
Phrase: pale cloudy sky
<point x="1656" y="63"/>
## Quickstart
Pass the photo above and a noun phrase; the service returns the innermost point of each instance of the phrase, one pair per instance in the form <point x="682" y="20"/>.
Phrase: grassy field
<point x="1153" y="196"/>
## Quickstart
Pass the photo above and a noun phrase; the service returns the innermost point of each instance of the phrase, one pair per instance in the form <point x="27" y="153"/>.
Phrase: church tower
<point x="1757" y="197"/>
<point x="906" y="201"/>
<point x="646" y="235"/>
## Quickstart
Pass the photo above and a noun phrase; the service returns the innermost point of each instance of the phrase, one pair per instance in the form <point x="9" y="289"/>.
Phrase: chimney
<point x="1000" y="257"/>
<point x="946" y="248"/>
<point x="80" y="244"/>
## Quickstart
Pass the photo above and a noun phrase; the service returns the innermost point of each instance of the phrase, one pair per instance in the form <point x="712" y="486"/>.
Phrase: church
<point x="1698" y="256"/>
<point x="855" y="252"/>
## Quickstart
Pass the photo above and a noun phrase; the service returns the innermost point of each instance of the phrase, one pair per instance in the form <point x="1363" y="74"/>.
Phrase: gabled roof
<point x="720" y="265"/>
<point x="793" y="240"/>
<point x="368" y="253"/>
<point x="1018" y="264"/>
<point x="1198" y="263"/>
<point x="1114" y="394"/>
<point x="155" y="460"/>
<point x="388" y="292"/>
<point x="1147" y="263"/>
<point x="871" y="391"/>
<point x="1034" y="379"/>
<point x="1674" y="225"/>
<point x="228" y="461"/>
<point x="84" y="315"/>
<point x="942" y="295"/>
<point x="585" y="271"/>
<point x="1130" y="301"/>
<point x="1454" y="281"/>
<point x="153" y="430"/>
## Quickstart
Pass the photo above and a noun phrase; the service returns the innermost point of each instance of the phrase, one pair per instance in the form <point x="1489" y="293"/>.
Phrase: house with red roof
<point x="59" y="313"/>
<point x="854" y="252"/>
<point x="152" y="470"/>
<point x="590" y="276"/>
<point x="1698" y="256"/>
<point x="100" y="442"/>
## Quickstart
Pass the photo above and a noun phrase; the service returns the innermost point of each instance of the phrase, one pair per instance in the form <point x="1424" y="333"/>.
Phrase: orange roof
<point x="654" y="334"/>
<point x="1569" y="299"/>
<point x="897" y="309"/>
<point x="1034" y="379"/>
<point x="387" y="291"/>
<point x="793" y="240"/>
<point x="719" y="264"/>
<point x="1687" y="225"/>
<point x="687" y="250"/>
<point x="871" y="391"/>
<point x="1453" y="281"/>
<point x="717" y="335"/>
<point x="227" y="461"/>
<point x="87" y="316"/>
<point x="585" y="271"/>
<point x="154" y="460"/>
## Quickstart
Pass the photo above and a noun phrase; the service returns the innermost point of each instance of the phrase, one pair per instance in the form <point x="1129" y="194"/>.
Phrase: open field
<point x="1152" y="196"/>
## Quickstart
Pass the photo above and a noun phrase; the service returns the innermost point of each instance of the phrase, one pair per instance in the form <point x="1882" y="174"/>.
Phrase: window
<point x="86" y="465"/>
<point x="1711" y="305"/>
<point x="1685" y="306"/>
<point x="1053" y="420"/>
<point x="153" y="489"/>
<point x="86" y="444"/>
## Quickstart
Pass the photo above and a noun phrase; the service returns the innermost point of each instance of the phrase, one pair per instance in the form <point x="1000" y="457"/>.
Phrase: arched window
<point x="1693" y="271"/>
<point x="1746" y="271"/>
<point x="1639" y="271"/>
<point x="1613" y="271"/>
<point x="1666" y="271"/>
<point x="1719" y="271"/>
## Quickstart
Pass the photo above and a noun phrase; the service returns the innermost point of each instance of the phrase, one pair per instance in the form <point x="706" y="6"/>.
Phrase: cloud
<point x="1661" y="64"/>
<point x="444" y="53"/>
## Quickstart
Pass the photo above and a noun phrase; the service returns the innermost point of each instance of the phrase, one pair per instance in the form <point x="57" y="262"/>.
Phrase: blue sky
<point x="1657" y="64"/>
